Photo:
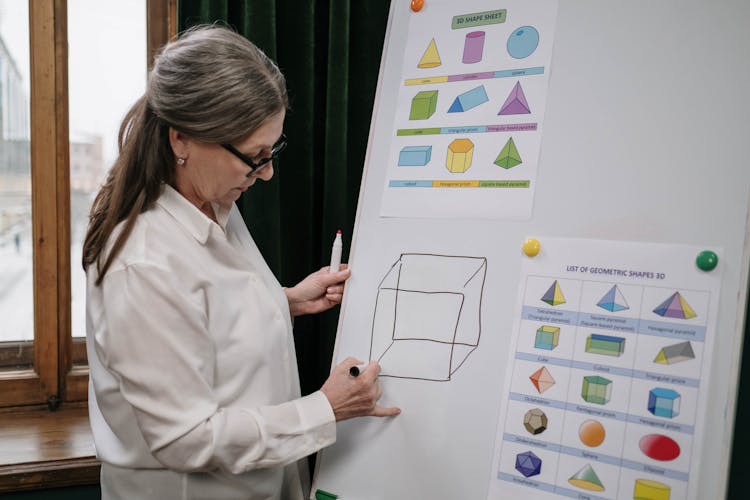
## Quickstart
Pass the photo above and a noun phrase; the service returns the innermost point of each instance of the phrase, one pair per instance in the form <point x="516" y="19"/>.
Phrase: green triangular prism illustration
<point x="508" y="157"/>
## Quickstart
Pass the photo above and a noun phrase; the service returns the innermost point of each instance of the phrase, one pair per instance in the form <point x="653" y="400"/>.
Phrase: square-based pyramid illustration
<point x="427" y="318"/>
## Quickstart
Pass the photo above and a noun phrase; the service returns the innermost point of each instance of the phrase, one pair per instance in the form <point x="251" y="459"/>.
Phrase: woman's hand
<point x="355" y="396"/>
<point x="318" y="292"/>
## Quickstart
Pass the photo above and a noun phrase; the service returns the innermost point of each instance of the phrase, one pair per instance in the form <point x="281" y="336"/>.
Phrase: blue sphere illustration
<point x="523" y="42"/>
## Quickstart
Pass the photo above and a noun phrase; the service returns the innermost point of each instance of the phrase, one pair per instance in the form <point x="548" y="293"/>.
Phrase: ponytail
<point x="211" y="84"/>
<point x="132" y="186"/>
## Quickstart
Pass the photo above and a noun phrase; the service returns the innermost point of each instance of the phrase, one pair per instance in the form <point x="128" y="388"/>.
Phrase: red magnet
<point x="416" y="5"/>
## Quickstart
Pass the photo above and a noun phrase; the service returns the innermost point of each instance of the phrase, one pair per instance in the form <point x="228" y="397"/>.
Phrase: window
<point x="54" y="57"/>
<point x="106" y="74"/>
<point x="16" y="292"/>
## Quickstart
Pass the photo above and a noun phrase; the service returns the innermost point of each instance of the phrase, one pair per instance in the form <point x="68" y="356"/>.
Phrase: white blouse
<point x="194" y="389"/>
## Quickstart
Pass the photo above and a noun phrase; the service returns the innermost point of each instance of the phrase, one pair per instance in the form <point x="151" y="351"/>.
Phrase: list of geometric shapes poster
<point x="603" y="399"/>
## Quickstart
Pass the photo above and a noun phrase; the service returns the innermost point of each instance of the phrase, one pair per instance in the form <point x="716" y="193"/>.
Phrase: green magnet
<point x="324" y="495"/>
<point x="707" y="260"/>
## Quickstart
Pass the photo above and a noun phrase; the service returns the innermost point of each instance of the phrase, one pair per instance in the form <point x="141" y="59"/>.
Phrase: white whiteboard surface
<point x="645" y="140"/>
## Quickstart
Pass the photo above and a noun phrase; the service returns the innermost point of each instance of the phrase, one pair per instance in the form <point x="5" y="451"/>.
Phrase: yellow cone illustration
<point x="430" y="58"/>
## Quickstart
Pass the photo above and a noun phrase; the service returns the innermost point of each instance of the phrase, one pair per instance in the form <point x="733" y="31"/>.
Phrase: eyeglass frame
<point x="276" y="150"/>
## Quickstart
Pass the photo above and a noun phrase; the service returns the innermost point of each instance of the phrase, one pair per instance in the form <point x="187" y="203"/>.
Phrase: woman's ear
<point x="179" y="142"/>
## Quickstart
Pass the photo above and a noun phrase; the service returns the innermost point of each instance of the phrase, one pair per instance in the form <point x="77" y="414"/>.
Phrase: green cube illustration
<point x="596" y="389"/>
<point x="423" y="105"/>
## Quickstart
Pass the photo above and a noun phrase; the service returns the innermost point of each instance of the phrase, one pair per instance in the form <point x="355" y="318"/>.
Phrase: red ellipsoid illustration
<point x="659" y="447"/>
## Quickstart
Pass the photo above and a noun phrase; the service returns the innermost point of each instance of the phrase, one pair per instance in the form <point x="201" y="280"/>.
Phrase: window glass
<point x="106" y="74"/>
<point x="16" y="273"/>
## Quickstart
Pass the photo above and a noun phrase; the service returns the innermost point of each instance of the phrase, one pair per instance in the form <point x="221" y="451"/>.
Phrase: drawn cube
<point x="664" y="402"/>
<point x="423" y="105"/>
<point x="414" y="156"/>
<point x="427" y="318"/>
<point x="596" y="389"/>
<point x="547" y="337"/>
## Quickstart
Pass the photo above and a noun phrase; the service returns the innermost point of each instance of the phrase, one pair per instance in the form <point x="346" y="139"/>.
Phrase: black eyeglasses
<point x="276" y="149"/>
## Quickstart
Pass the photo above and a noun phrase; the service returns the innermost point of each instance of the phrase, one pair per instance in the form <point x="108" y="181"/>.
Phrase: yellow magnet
<point x="531" y="247"/>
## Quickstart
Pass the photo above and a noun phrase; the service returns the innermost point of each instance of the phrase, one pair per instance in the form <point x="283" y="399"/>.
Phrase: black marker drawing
<point x="427" y="318"/>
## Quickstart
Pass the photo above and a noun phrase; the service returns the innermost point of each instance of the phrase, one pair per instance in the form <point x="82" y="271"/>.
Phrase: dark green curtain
<point x="329" y="51"/>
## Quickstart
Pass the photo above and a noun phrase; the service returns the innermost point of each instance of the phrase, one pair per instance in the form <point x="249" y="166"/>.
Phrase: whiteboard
<point x="644" y="141"/>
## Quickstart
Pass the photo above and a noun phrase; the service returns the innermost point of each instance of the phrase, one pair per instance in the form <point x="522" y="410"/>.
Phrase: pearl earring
<point x="180" y="161"/>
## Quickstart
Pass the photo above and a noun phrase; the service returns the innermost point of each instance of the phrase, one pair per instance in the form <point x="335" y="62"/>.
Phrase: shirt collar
<point x="189" y="216"/>
<point x="222" y="214"/>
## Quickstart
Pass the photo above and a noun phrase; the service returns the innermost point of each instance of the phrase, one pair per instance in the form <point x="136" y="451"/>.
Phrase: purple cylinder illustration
<point x="473" y="47"/>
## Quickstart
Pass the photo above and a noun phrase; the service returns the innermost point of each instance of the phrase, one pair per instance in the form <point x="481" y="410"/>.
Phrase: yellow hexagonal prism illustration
<point x="460" y="153"/>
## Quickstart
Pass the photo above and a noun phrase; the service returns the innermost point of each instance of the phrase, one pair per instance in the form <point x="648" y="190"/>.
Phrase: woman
<point x="194" y="388"/>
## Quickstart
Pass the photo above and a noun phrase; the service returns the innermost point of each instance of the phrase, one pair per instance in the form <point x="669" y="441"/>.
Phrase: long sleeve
<point x="157" y="343"/>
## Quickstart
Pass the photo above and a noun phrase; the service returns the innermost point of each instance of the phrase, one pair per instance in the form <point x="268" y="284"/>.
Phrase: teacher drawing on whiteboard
<point x="194" y="389"/>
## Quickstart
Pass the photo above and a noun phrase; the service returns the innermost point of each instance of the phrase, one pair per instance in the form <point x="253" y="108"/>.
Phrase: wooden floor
<point x="44" y="449"/>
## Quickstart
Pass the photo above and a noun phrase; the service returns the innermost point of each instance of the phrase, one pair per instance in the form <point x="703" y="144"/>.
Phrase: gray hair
<point x="215" y="85"/>
<point x="210" y="83"/>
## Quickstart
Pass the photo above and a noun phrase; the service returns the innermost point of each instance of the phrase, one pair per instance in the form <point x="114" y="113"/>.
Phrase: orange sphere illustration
<point x="591" y="433"/>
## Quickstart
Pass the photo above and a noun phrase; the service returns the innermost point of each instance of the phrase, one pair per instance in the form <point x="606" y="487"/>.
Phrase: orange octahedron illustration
<point x="542" y="379"/>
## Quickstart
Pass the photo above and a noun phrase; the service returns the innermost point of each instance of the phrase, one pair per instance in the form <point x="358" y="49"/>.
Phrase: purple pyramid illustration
<point x="516" y="103"/>
<point x="675" y="307"/>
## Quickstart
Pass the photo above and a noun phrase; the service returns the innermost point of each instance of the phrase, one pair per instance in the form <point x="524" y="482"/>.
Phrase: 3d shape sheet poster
<point x="468" y="121"/>
<point x="607" y="386"/>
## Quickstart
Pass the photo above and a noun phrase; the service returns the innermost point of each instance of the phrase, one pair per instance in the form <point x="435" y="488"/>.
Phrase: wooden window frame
<point x="55" y="376"/>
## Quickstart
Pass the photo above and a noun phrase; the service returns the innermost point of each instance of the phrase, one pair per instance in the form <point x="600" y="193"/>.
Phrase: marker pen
<point x="355" y="370"/>
<point x="336" y="253"/>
